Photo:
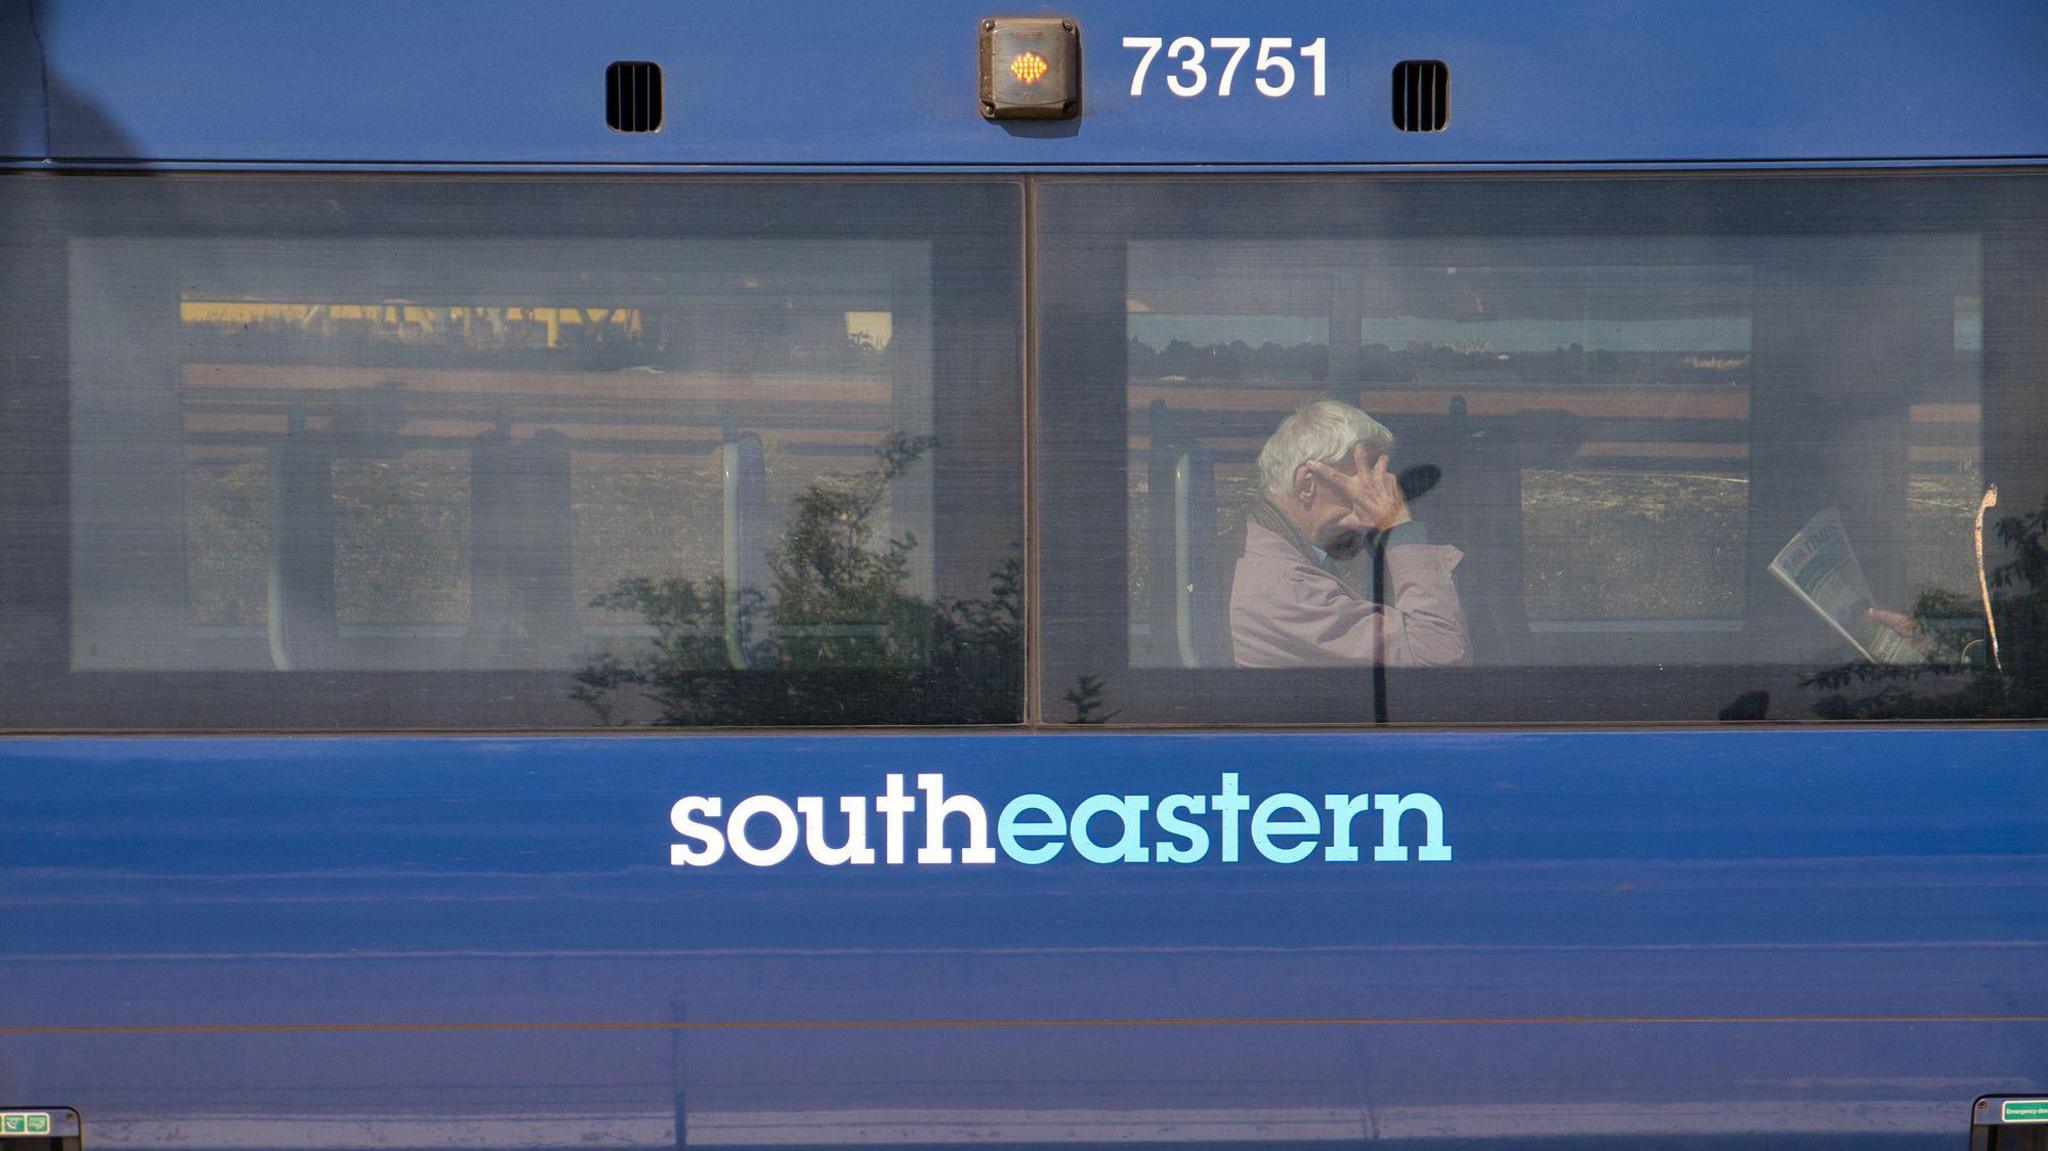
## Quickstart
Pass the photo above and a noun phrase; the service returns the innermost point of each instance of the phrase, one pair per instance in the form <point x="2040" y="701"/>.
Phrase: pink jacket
<point x="1286" y="611"/>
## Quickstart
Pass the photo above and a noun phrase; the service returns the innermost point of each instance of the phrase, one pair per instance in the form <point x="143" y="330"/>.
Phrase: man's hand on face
<point x="1370" y="488"/>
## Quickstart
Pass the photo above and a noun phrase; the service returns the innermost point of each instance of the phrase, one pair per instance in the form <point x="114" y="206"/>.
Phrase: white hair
<point x="1325" y="430"/>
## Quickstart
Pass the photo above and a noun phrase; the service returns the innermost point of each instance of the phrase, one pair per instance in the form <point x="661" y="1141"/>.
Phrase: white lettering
<point x="1035" y="829"/>
<point x="785" y="830"/>
<point x="894" y="805"/>
<point x="680" y="818"/>
<point x="936" y="808"/>
<point x="856" y="849"/>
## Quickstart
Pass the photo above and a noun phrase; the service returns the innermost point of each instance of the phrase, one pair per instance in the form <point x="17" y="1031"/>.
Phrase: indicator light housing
<point x="1030" y="68"/>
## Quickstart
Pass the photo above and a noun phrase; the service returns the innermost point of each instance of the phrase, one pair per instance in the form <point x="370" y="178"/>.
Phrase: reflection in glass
<point x="834" y="597"/>
<point x="1618" y="398"/>
<point x="613" y="462"/>
<point x="1965" y="675"/>
<point x="1586" y="410"/>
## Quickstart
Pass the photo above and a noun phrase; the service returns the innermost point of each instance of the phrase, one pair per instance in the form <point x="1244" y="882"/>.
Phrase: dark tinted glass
<point x="430" y="453"/>
<point x="1624" y="403"/>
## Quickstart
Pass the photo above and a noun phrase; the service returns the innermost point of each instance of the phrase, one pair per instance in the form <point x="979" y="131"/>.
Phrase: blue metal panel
<point x="873" y="83"/>
<point x="21" y="84"/>
<point x="1805" y="938"/>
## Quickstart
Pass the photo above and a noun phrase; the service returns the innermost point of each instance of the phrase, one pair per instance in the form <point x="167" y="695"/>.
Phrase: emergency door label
<point x="2023" y="1111"/>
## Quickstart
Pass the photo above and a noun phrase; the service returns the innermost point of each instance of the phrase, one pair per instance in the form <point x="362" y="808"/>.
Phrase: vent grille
<point x="1422" y="95"/>
<point x="632" y="96"/>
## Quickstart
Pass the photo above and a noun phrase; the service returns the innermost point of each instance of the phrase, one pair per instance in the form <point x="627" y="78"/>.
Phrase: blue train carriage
<point x="397" y="400"/>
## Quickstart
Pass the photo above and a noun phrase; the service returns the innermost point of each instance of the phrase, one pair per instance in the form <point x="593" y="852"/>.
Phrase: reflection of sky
<point x="1691" y="334"/>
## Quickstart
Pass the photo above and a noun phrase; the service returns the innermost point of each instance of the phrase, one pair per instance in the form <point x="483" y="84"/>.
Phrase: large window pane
<point x="521" y="453"/>
<point x="1617" y="401"/>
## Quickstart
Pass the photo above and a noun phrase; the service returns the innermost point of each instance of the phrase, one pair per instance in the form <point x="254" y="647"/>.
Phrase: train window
<point x="350" y="453"/>
<point x="1673" y="449"/>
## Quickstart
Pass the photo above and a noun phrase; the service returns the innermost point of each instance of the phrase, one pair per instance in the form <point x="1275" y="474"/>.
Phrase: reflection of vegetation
<point x="1088" y="697"/>
<point x="1959" y="681"/>
<point x="1939" y="507"/>
<point x="1643" y="545"/>
<point x="838" y="596"/>
<point x="640" y="513"/>
<point x="227" y="539"/>
<point x="589" y="339"/>
<point x="401" y="539"/>
<point x="401" y="544"/>
<point x="844" y="641"/>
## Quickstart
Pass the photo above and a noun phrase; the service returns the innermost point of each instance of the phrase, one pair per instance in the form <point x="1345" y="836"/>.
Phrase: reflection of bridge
<point x="1686" y="427"/>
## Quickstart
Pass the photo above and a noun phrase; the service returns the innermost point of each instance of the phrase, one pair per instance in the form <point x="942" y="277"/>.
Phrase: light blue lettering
<point x="1343" y="809"/>
<point x="1129" y="847"/>
<point x="1392" y="808"/>
<point x="1170" y="823"/>
<point x="1228" y="804"/>
<point x="1011" y="830"/>
<point x="1266" y="825"/>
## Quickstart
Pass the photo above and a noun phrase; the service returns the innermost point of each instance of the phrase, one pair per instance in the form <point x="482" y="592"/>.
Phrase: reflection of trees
<point x="1088" y="697"/>
<point x="1959" y="680"/>
<point x="512" y="338"/>
<point x="838" y="642"/>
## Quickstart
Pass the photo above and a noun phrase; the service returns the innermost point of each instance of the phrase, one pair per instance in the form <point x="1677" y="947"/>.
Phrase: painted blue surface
<point x="828" y="82"/>
<point x="1790" y="938"/>
<point x="1774" y="934"/>
<point x="21" y="83"/>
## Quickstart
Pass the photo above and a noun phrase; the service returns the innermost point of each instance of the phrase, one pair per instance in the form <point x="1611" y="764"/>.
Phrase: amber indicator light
<point x="1028" y="67"/>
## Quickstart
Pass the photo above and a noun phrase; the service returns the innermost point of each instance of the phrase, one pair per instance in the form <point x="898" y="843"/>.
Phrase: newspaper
<point x="1820" y="567"/>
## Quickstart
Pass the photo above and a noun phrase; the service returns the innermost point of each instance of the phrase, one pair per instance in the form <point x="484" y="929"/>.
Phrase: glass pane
<point x="1645" y="364"/>
<point x="1619" y="419"/>
<point x="685" y="460"/>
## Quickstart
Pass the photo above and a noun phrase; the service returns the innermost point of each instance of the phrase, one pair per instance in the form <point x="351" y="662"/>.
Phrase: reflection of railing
<point x="1191" y="571"/>
<point x="522" y="598"/>
<point x="743" y="472"/>
<point x="1644" y="429"/>
<point x="823" y="416"/>
<point x="511" y="562"/>
<point x="301" y="562"/>
<point x="1199" y="596"/>
<point x="1641" y="428"/>
<point x="522" y="604"/>
<point x="718" y="631"/>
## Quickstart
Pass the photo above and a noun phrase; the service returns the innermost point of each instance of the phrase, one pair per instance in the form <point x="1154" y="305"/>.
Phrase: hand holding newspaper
<point x="1820" y="567"/>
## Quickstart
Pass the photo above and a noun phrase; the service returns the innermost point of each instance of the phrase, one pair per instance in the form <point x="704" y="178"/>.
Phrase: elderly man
<point x="1325" y="487"/>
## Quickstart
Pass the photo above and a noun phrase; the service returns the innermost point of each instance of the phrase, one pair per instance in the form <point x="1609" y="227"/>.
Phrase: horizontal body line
<point x="998" y="167"/>
<point x="1512" y="1124"/>
<point x="1307" y="950"/>
<point x="996" y="1024"/>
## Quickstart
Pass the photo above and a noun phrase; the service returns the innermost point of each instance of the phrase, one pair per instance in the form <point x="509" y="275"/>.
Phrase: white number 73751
<point x="1272" y="73"/>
